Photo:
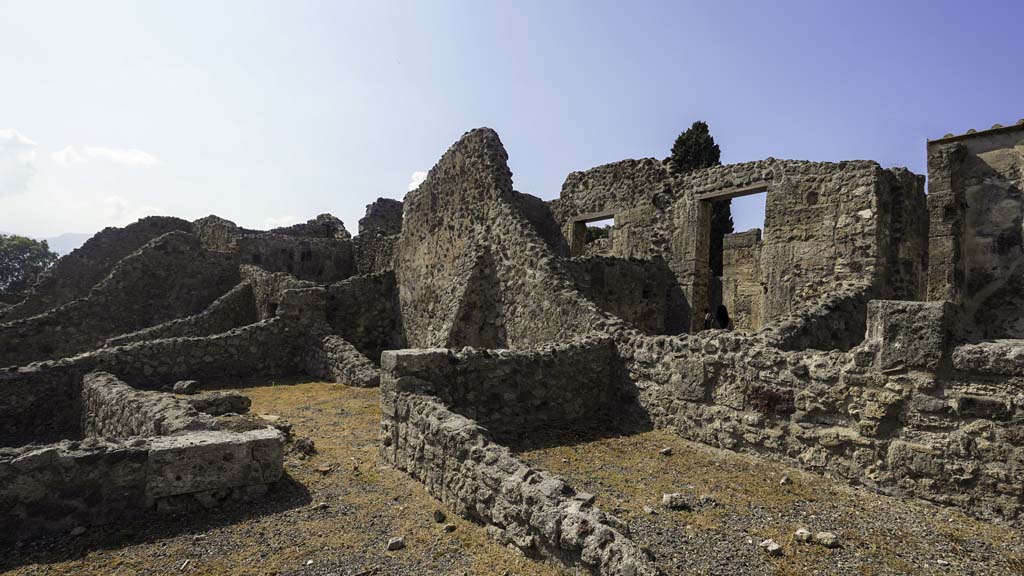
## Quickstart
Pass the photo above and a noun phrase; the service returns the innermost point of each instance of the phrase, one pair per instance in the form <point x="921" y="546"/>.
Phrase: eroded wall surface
<point x="170" y="277"/>
<point x="74" y="275"/>
<point x="825" y="224"/>
<point x="464" y="239"/>
<point x="976" y="216"/>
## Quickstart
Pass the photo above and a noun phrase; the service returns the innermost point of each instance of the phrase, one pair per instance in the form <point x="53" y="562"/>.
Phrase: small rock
<point x="304" y="447"/>
<point x="785" y="480"/>
<point x="186" y="387"/>
<point x="942" y="563"/>
<point x="585" y="497"/>
<point x="771" y="547"/>
<point x="649" y="510"/>
<point x="396" y="543"/>
<point x="78" y="531"/>
<point x="324" y="469"/>
<point x="802" y="535"/>
<point x="270" y="417"/>
<point x="676" y="501"/>
<point x="827" y="539"/>
<point x="665" y="451"/>
<point x="321" y="506"/>
<point x="309" y="562"/>
<point x="449" y="527"/>
<point x="439" y="516"/>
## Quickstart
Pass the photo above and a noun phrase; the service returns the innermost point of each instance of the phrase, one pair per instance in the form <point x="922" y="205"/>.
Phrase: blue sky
<point x="272" y="112"/>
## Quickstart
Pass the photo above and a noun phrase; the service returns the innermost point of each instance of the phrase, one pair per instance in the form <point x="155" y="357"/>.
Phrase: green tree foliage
<point x="21" y="260"/>
<point x="695" y="149"/>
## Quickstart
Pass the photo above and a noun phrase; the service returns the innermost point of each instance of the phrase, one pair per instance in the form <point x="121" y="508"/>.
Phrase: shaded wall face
<point x="742" y="291"/>
<point x="978" y="247"/>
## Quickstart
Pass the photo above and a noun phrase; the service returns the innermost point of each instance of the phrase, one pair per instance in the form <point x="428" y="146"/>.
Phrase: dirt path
<point x="745" y="504"/>
<point x="293" y="532"/>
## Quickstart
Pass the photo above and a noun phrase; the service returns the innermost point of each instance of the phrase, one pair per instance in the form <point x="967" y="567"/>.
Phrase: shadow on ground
<point x="286" y="494"/>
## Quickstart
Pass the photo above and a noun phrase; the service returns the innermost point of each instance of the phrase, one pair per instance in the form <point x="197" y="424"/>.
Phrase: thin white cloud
<point x="279" y="221"/>
<point x="17" y="154"/>
<point x="119" y="211"/>
<point x="125" y="156"/>
<point x="416" y="179"/>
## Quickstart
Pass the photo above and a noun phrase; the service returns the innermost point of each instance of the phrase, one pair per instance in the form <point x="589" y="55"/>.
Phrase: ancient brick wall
<point x="319" y="260"/>
<point x="74" y="275"/>
<point x="170" y="277"/>
<point x="976" y="248"/>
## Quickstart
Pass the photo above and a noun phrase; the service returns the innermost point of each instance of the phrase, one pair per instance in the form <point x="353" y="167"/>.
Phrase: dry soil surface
<point x="738" y="502"/>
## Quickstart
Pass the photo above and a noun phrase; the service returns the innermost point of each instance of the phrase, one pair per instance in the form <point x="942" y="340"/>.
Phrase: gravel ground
<point x="332" y="515"/>
<point x="738" y="501"/>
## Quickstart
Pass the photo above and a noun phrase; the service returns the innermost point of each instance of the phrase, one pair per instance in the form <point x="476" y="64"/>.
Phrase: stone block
<point x="209" y="460"/>
<point x="910" y="334"/>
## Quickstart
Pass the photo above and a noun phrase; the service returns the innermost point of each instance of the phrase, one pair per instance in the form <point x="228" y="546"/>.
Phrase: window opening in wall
<point x="592" y="234"/>
<point x="600" y="230"/>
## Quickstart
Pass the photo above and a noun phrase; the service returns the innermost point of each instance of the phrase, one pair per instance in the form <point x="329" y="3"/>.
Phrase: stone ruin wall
<point x="910" y="410"/>
<point x="458" y="461"/>
<point x="742" y="291"/>
<point x="825" y="224"/>
<point x="169" y="277"/>
<point x="976" y="207"/>
<point x="74" y="275"/>
<point x="142" y="452"/>
<point x="462" y="224"/>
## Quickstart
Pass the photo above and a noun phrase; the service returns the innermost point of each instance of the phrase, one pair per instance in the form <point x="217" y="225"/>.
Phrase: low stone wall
<point x="234" y="309"/>
<point x="532" y="510"/>
<point x="42" y="400"/>
<point x="900" y="413"/>
<point x="335" y="359"/>
<point x="99" y="481"/>
<point x="111" y="408"/>
<point x="512" y="392"/>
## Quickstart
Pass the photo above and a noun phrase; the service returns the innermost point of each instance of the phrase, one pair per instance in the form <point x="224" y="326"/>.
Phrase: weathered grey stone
<point x="186" y="387"/>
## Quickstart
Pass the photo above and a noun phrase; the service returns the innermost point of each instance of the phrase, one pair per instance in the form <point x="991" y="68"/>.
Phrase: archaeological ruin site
<point x="876" y="351"/>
